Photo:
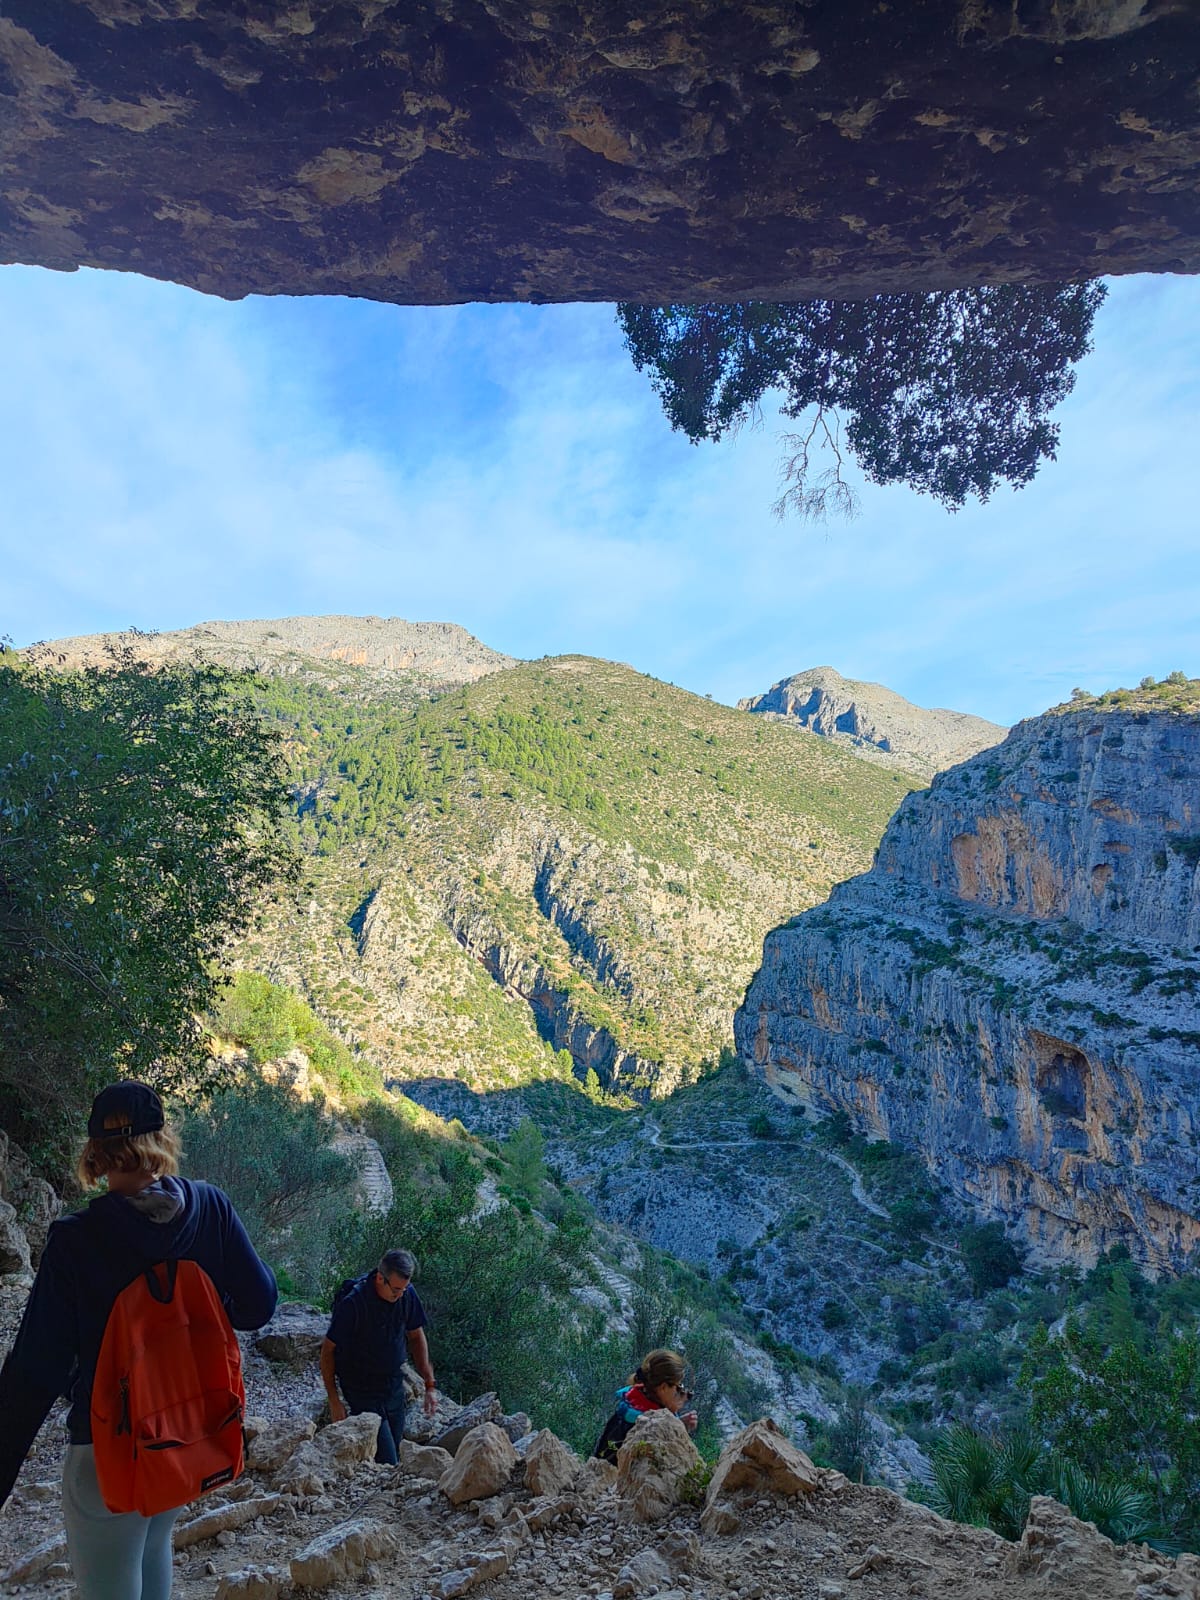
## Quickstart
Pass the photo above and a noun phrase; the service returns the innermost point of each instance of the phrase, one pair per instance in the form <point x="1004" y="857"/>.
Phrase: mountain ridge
<point x="390" y="647"/>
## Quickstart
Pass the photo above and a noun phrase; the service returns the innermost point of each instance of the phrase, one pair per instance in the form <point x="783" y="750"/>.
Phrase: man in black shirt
<point x="378" y="1320"/>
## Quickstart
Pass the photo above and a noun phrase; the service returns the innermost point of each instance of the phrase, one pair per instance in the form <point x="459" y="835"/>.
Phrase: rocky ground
<point x="507" y="1512"/>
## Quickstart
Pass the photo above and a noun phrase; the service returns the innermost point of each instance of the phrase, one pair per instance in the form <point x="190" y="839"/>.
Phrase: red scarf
<point x="637" y="1398"/>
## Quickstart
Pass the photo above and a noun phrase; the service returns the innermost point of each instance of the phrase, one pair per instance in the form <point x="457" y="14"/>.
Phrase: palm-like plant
<point x="989" y="1481"/>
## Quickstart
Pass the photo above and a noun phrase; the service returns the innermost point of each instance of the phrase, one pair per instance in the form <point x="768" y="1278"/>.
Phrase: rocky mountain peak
<point x="875" y="722"/>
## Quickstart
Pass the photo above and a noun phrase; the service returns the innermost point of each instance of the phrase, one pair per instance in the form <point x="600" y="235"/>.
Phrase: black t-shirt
<point x="370" y="1335"/>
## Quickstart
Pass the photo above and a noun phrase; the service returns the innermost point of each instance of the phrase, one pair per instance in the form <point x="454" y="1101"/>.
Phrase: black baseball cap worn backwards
<point x="136" y="1102"/>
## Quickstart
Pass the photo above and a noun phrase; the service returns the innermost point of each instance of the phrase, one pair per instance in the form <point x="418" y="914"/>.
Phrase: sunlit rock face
<point x="1013" y="988"/>
<point x="435" y="152"/>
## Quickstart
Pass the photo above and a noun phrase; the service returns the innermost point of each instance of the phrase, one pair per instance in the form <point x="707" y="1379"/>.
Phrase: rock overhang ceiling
<point x="436" y="151"/>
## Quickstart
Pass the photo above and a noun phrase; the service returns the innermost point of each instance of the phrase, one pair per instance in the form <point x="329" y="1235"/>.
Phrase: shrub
<point x="990" y="1258"/>
<point x="272" y="1155"/>
<point x="834" y="1315"/>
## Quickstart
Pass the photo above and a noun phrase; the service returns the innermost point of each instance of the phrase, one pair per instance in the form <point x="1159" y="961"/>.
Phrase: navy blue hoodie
<point x="89" y="1258"/>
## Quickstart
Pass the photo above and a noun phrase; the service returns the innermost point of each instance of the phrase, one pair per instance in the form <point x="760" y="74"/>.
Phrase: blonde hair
<point x="659" y="1367"/>
<point x="155" y="1154"/>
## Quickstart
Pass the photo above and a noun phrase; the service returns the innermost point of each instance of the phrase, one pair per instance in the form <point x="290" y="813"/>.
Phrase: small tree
<point x="525" y="1152"/>
<point x="853" y="1447"/>
<point x="990" y="1258"/>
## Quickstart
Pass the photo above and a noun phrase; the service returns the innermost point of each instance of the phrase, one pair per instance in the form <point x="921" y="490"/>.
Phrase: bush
<point x="834" y="1315"/>
<point x="271" y="1154"/>
<point x="990" y="1258"/>
<point x="268" y="1021"/>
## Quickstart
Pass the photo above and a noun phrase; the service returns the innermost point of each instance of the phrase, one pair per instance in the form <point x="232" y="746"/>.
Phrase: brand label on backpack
<point x="168" y="1398"/>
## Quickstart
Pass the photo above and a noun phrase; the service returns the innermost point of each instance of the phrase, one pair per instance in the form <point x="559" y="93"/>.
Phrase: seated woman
<point x="657" y="1385"/>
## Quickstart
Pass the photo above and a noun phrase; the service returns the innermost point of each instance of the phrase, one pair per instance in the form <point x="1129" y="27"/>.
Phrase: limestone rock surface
<point x="334" y="1454"/>
<point x="483" y="1408"/>
<point x="551" y="1467"/>
<point x="481" y="1467"/>
<point x="340" y="1555"/>
<point x="1014" y="989"/>
<point x="293" y="1336"/>
<point x="651" y="1465"/>
<point x="428" y="153"/>
<point x="424" y="1460"/>
<point x="760" y="1459"/>
<point x="875" y="722"/>
<point x="270" y="1444"/>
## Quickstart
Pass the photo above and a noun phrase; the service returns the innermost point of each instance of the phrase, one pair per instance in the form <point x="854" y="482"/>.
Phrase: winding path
<point x="654" y="1135"/>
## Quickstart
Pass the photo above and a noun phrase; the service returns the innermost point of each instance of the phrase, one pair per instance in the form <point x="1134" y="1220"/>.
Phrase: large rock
<point x="37" y="1205"/>
<point x="763" y="1459"/>
<point x="293" y="1337"/>
<point x="651" y="1465"/>
<point x="14" y="1246"/>
<point x="1059" y="1555"/>
<point x="438" y="153"/>
<point x="1009" y="990"/>
<point x="550" y="1467"/>
<point x="334" y="1454"/>
<point x="424" y="1460"/>
<point x="269" y="1444"/>
<point x="484" y="1408"/>
<point x="254" y="1583"/>
<point x="643" y="1574"/>
<point x="760" y="1460"/>
<point x="340" y="1554"/>
<point x="482" y="1466"/>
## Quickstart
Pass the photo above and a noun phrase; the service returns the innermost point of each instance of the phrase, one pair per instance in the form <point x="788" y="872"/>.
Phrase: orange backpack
<point x="167" y="1399"/>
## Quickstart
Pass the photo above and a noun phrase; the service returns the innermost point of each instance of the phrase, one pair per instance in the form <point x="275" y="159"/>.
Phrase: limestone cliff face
<point x="436" y="152"/>
<point x="1012" y="989"/>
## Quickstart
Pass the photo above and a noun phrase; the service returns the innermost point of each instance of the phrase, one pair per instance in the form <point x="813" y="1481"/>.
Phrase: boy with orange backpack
<point x="132" y="1316"/>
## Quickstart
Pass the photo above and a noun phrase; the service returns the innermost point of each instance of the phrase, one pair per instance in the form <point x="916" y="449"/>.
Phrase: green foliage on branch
<point x="1127" y="1408"/>
<point x="138" y="835"/>
<point x="990" y="1258"/>
<point x="948" y="392"/>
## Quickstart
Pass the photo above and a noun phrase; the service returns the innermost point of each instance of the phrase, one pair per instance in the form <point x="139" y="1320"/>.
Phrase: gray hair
<point x="398" y="1263"/>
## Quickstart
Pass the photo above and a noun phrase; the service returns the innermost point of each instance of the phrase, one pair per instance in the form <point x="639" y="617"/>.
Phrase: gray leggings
<point x="114" y="1555"/>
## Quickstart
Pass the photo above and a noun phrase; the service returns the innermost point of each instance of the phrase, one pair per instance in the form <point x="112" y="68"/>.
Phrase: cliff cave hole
<point x="1062" y="1078"/>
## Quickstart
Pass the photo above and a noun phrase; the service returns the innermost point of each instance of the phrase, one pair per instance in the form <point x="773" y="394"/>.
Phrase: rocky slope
<point x="875" y="722"/>
<point x="565" y="866"/>
<point x="392" y="653"/>
<point x="520" y="870"/>
<point x="484" y="1501"/>
<point x="508" y="1517"/>
<point x="1012" y="990"/>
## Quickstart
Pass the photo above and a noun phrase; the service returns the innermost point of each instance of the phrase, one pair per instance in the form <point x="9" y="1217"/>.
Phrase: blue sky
<point x="167" y="458"/>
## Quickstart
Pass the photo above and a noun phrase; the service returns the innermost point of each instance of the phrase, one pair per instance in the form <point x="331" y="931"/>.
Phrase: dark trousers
<point x="389" y="1408"/>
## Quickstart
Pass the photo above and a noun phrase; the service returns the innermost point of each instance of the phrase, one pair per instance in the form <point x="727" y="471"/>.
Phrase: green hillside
<point x="568" y="855"/>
